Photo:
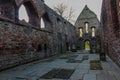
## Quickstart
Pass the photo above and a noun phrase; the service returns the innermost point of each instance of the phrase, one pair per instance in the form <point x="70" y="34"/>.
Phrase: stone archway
<point x="87" y="45"/>
<point x="32" y="13"/>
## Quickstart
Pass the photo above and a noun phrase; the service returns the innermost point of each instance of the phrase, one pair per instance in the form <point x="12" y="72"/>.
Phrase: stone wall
<point x="89" y="17"/>
<point x="22" y="42"/>
<point x="110" y="27"/>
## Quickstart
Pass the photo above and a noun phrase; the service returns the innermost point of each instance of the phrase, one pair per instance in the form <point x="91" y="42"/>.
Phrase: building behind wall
<point x="110" y="29"/>
<point x="87" y="26"/>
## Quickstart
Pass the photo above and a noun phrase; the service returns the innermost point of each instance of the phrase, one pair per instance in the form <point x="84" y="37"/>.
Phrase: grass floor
<point x="95" y="65"/>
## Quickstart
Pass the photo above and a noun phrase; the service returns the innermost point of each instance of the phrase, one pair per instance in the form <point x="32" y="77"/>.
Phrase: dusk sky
<point x="78" y="5"/>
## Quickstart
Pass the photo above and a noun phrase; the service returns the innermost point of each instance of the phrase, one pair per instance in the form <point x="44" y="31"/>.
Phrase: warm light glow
<point x="93" y="32"/>
<point x="42" y="23"/>
<point x="86" y="27"/>
<point x="81" y="32"/>
<point x="23" y="14"/>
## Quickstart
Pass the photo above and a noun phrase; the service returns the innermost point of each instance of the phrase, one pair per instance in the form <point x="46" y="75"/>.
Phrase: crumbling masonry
<point x="22" y="42"/>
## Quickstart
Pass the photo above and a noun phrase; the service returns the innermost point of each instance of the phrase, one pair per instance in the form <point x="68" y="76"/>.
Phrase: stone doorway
<point x="87" y="45"/>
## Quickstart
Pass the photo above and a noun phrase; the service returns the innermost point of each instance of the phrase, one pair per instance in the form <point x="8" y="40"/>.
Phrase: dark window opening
<point x="58" y="20"/>
<point x="64" y="22"/>
<point x="46" y="17"/>
<point x="67" y="46"/>
<point x="39" y="48"/>
<point x="47" y="22"/>
<point x="45" y="48"/>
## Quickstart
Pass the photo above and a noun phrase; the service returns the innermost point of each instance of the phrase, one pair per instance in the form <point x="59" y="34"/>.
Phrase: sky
<point x="78" y="5"/>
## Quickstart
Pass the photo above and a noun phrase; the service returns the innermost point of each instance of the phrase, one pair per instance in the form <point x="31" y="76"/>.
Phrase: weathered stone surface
<point x="89" y="17"/>
<point x="89" y="77"/>
<point x="110" y="29"/>
<point x="22" y="42"/>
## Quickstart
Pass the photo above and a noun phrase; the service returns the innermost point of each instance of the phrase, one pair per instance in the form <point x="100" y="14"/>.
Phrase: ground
<point x="87" y="47"/>
<point x="69" y="66"/>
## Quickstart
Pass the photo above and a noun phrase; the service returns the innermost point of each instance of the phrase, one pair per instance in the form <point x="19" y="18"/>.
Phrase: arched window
<point x="59" y="21"/>
<point x="42" y="23"/>
<point x="47" y="24"/>
<point x="28" y="12"/>
<point x="81" y="32"/>
<point x="93" y="31"/>
<point x="86" y="27"/>
<point x="23" y="14"/>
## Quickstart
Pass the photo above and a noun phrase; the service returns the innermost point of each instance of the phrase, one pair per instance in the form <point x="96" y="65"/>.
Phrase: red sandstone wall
<point x="110" y="42"/>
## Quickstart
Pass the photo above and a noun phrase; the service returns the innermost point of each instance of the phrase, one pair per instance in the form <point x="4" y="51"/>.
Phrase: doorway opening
<point x="87" y="45"/>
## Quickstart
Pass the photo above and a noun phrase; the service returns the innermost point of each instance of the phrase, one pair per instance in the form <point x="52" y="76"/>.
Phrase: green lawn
<point x="87" y="46"/>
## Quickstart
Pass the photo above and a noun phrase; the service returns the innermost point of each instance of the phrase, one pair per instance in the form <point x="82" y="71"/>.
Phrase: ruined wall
<point x="22" y="42"/>
<point x="110" y="27"/>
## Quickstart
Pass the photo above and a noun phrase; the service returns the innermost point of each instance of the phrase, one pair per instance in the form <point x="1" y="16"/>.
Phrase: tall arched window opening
<point x="86" y="27"/>
<point x="47" y="24"/>
<point x="81" y="32"/>
<point x="23" y="14"/>
<point x="93" y="32"/>
<point x="42" y="23"/>
<point x="30" y="11"/>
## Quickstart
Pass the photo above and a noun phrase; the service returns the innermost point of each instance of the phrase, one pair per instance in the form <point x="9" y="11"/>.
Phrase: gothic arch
<point x="87" y="44"/>
<point x="32" y="12"/>
<point x="48" y="23"/>
<point x="23" y="11"/>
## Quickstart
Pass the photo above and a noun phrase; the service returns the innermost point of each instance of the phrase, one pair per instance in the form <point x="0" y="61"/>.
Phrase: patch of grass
<point x="50" y="74"/>
<point x="87" y="46"/>
<point x="95" y="65"/>
<point x="58" y="73"/>
<point x="64" y="73"/>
